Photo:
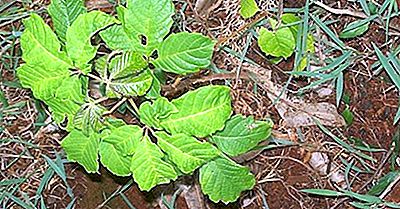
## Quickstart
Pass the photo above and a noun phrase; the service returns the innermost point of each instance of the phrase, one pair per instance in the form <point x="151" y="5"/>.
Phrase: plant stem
<point x="133" y="104"/>
<point x="116" y="106"/>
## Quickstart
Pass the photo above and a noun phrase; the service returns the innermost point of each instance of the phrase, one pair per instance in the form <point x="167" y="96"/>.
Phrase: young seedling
<point x="193" y="132"/>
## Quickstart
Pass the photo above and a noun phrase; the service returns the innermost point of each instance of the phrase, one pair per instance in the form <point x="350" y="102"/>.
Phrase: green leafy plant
<point x="193" y="132"/>
<point x="280" y="42"/>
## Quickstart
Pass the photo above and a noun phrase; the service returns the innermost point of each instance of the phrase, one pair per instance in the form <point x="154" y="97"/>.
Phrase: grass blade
<point x="394" y="76"/>
<point x="329" y="32"/>
<point x="323" y="192"/>
<point x="339" y="88"/>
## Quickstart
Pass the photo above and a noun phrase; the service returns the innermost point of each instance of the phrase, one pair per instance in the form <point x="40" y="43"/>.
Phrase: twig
<point x="379" y="169"/>
<point x="340" y="11"/>
<point x="241" y="29"/>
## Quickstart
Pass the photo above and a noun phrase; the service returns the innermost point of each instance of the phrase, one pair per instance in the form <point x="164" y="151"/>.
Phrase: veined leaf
<point x="127" y="77"/>
<point x="41" y="81"/>
<point x="116" y="148"/>
<point x="148" y="167"/>
<point x="124" y="139"/>
<point x="64" y="13"/>
<point x="186" y="152"/>
<point x="68" y="98"/>
<point x="78" y="45"/>
<point x="89" y="119"/>
<point x="248" y="8"/>
<point x="195" y="110"/>
<point x="224" y="180"/>
<point x="41" y="48"/>
<point x="155" y="89"/>
<point x="114" y="161"/>
<point x="151" y="114"/>
<point x="127" y="64"/>
<point x="130" y="86"/>
<point x="184" y="53"/>
<point x="155" y="18"/>
<point x="82" y="149"/>
<point x="116" y="38"/>
<point x="279" y="44"/>
<point x="241" y="134"/>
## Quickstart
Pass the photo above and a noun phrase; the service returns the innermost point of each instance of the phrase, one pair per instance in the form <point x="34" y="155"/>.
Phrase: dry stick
<point x="241" y="29"/>
<point x="350" y="13"/>
<point x="340" y="11"/>
<point x="387" y="156"/>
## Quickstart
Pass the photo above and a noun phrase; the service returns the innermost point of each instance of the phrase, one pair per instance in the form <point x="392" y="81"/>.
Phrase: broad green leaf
<point x="155" y="18"/>
<point x="358" y="31"/>
<point x="114" y="161"/>
<point x="116" y="148"/>
<point x="64" y="13"/>
<point x="155" y="89"/>
<point x="40" y="47"/>
<point x="151" y="113"/>
<point x="68" y="98"/>
<point x="78" y="45"/>
<point x="290" y="18"/>
<point x="148" y="167"/>
<point x="116" y="39"/>
<point x="89" y="119"/>
<point x="136" y="85"/>
<point x="126" y="76"/>
<point x="224" y="180"/>
<point x="184" y="53"/>
<point x="241" y="134"/>
<point x="82" y="149"/>
<point x="42" y="81"/>
<point x="127" y="64"/>
<point x="186" y="152"/>
<point x="248" y="8"/>
<point x="201" y="112"/>
<point x="101" y="65"/>
<point x="124" y="138"/>
<point x="279" y="44"/>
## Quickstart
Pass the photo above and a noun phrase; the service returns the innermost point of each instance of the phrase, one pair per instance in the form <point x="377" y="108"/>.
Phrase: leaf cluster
<point x="193" y="132"/>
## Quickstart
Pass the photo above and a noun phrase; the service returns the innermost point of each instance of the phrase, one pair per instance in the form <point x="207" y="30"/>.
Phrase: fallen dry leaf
<point x="294" y="110"/>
